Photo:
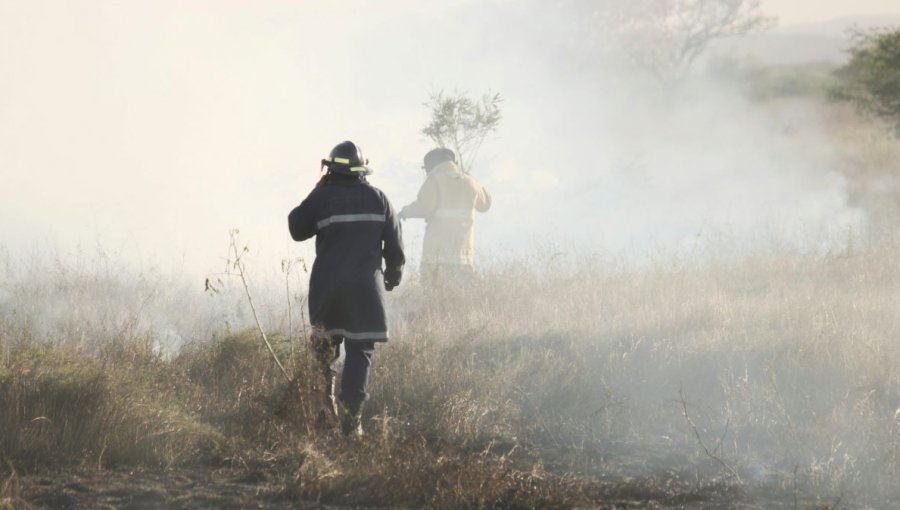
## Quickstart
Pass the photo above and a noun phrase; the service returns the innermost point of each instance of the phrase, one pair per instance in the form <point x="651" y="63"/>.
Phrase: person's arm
<point x="392" y="248"/>
<point x="425" y="203"/>
<point x="302" y="220"/>
<point x="482" y="198"/>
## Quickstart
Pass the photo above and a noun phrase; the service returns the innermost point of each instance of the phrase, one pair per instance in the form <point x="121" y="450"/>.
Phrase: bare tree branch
<point x="666" y="37"/>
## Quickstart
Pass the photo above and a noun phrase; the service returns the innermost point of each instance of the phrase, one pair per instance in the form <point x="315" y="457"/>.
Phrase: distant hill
<point x="838" y="27"/>
<point x="825" y="41"/>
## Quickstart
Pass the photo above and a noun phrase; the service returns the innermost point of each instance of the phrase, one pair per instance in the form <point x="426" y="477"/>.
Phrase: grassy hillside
<point x="710" y="380"/>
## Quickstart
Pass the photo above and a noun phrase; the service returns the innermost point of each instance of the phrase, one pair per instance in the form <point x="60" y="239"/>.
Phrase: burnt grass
<point x="271" y="486"/>
<point x="673" y="387"/>
<point x="216" y="428"/>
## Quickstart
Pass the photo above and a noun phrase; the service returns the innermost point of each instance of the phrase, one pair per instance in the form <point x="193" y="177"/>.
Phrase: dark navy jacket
<point x="355" y="227"/>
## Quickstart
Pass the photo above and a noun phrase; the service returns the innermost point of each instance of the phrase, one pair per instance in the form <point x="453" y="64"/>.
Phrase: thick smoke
<point x="153" y="129"/>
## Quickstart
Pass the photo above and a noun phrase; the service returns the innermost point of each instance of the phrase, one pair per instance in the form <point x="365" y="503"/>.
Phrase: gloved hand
<point x="392" y="278"/>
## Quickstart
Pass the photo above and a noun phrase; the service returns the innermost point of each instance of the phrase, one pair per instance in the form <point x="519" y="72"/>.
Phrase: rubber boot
<point x="351" y="422"/>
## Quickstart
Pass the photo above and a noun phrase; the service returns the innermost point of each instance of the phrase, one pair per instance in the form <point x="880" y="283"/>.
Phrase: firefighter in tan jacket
<point x="447" y="201"/>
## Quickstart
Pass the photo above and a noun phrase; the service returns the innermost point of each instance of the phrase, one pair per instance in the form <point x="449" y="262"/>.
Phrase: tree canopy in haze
<point x="666" y="36"/>
<point x="871" y="79"/>
<point x="461" y="123"/>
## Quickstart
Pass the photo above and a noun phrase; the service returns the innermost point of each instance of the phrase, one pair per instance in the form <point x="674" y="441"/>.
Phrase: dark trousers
<point x="357" y="363"/>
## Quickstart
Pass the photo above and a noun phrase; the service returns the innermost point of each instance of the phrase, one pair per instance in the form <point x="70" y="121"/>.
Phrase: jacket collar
<point x="446" y="167"/>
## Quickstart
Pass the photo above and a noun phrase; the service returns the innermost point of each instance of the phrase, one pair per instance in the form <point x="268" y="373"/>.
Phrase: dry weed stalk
<point x="709" y="453"/>
<point x="238" y="265"/>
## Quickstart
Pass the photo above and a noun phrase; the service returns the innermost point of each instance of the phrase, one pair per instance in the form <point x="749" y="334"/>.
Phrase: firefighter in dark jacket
<point x="355" y="227"/>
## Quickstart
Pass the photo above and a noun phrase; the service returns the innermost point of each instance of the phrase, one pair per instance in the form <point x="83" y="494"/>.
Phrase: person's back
<point x="355" y="227"/>
<point x="447" y="202"/>
<point x="347" y="216"/>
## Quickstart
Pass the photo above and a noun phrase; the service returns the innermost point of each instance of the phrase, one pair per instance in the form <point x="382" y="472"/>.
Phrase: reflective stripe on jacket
<point x="355" y="228"/>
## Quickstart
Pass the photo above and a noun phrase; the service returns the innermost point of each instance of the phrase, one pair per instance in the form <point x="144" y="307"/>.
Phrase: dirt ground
<point x="139" y="489"/>
<point x="197" y="488"/>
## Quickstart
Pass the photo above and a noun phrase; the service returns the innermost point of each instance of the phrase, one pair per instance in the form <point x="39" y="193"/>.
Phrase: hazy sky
<point x="805" y="11"/>
<point x="152" y="128"/>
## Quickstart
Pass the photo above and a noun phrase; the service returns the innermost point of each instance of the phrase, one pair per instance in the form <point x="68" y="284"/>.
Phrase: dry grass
<point x="553" y="388"/>
<point x="10" y="492"/>
<point x="63" y="407"/>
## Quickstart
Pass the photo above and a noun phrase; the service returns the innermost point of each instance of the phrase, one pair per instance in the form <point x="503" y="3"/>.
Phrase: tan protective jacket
<point x="447" y="201"/>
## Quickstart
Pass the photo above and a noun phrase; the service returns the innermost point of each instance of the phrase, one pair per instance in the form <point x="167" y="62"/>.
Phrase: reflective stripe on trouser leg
<point x="357" y="363"/>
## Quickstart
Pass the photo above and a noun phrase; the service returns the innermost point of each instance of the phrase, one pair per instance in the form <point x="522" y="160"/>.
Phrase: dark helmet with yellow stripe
<point x="347" y="159"/>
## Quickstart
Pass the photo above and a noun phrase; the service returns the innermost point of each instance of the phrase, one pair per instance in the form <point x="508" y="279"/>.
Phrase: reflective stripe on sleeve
<point x="376" y="335"/>
<point x="346" y="218"/>
<point x="453" y="214"/>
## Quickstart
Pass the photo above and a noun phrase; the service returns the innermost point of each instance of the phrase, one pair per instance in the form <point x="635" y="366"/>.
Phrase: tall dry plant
<point x="461" y="123"/>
